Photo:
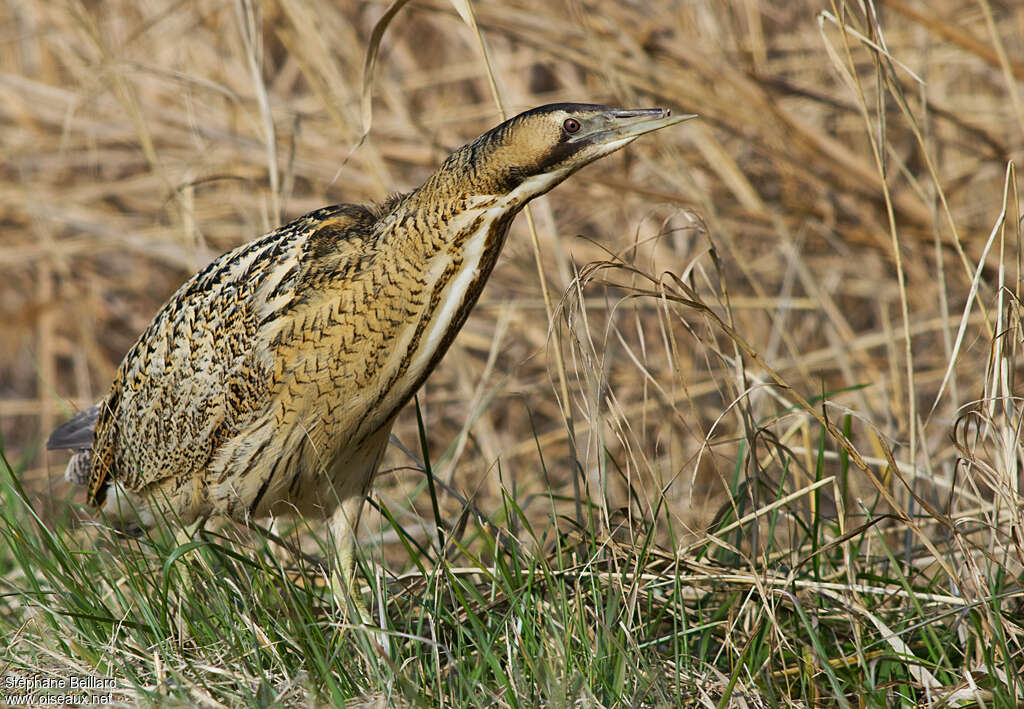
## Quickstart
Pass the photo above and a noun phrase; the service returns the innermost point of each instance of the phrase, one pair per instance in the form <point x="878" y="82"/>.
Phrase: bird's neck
<point x="443" y="218"/>
<point x="462" y="197"/>
<point x="435" y="250"/>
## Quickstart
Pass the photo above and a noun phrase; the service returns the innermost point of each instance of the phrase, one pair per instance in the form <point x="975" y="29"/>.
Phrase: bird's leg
<point x="187" y="534"/>
<point x="343" y="578"/>
<point x="191" y="532"/>
<point x="282" y="550"/>
<point x="345" y="520"/>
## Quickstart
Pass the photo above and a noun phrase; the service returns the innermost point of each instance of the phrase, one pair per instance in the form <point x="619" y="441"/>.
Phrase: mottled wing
<point x="199" y="373"/>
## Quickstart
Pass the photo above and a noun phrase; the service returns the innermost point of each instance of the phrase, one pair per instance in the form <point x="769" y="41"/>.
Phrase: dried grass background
<point x="140" y="139"/>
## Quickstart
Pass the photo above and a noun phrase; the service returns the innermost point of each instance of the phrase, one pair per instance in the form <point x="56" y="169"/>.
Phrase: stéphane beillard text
<point x="70" y="682"/>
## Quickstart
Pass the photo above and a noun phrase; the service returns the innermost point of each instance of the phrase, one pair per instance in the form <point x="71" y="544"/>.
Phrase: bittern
<point x="269" y="381"/>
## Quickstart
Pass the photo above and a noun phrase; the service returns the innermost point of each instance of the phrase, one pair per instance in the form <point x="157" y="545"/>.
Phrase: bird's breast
<point x="447" y="284"/>
<point x="349" y="356"/>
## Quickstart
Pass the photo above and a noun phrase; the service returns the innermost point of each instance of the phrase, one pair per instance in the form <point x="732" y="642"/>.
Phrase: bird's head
<point x="530" y="153"/>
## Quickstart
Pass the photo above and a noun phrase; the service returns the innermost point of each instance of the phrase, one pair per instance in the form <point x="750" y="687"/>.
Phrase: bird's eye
<point x="571" y="125"/>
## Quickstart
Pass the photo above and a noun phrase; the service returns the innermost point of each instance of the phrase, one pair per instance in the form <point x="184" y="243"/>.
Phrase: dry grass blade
<point x="914" y="665"/>
<point x="997" y="230"/>
<point x="370" y="63"/>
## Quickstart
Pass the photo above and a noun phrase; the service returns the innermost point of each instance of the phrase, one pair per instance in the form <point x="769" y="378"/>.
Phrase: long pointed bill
<point x="623" y="126"/>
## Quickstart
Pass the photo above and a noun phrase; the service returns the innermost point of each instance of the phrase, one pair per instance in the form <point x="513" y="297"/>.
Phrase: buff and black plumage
<point x="269" y="382"/>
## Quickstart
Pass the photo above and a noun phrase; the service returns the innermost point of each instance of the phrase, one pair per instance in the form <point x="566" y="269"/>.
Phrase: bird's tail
<point x="76" y="435"/>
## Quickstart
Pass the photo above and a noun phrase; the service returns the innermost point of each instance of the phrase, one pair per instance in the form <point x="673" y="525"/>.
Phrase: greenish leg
<point x="343" y="577"/>
<point x="343" y="526"/>
<point x="190" y="533"/>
